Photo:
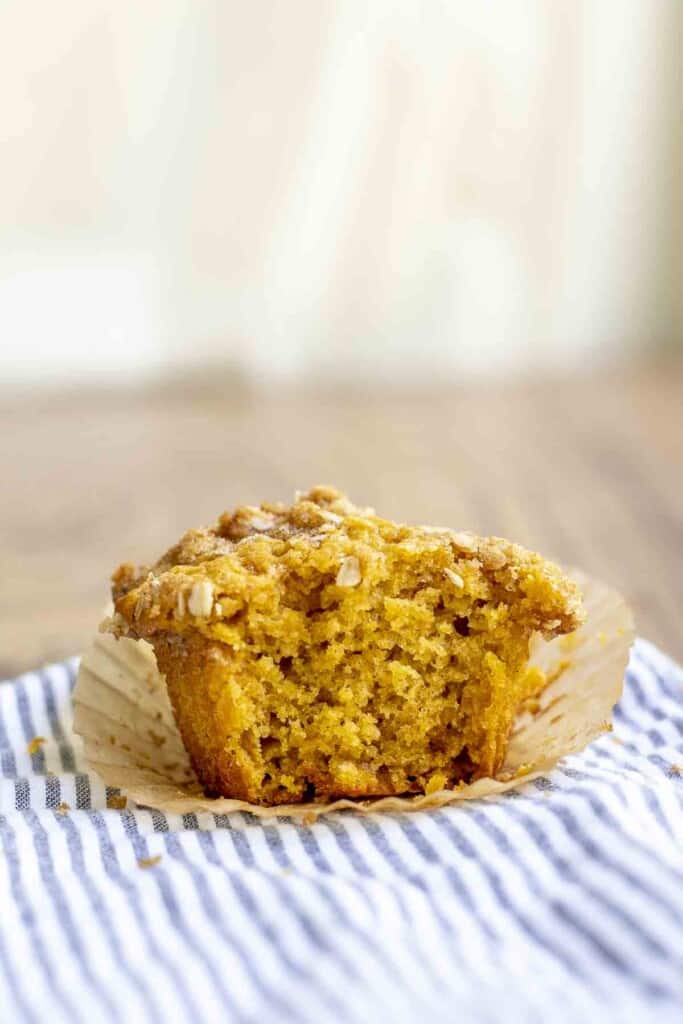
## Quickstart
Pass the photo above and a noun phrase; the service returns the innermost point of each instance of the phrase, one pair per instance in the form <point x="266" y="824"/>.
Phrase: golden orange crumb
<point x="149" y="862"/>
<point x="676" y="769"/>
<point x="36" y="743"/>
<point x="63" y="808"/>
<point x="117" y="802"/>
<point x="436" y="782"/>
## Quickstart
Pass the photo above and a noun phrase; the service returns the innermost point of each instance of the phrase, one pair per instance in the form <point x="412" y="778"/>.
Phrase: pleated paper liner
<point x="123" y="714"/>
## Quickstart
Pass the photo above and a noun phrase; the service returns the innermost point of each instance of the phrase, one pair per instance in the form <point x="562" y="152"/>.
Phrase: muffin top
<point x="211" y="571"/>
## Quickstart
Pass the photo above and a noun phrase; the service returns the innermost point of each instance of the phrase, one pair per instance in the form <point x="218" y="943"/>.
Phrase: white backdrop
<point x="384" y="190"/>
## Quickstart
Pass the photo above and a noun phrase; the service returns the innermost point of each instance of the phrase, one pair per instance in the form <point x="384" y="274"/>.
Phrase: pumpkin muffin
<point x="316" y="650"/>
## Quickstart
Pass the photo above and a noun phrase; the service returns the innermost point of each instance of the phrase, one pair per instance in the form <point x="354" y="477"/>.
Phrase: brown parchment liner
<point x="124" y="716"/>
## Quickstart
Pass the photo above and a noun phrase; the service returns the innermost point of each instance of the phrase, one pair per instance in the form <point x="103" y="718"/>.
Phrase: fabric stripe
<point x="367" y="933"/>
<point x="175" y="913"/>
<point x="150" y="934"/>
<point x="433" y="944"/>
<point x="270" y="940"/>
<point x="451" y="926"/>
<point x="639" y="856"/>
<point x="8" y="763"/>
<point x="346" y="958"/>
<point x="394" y="860"/>
<point x="54" y="889"/>
<point x="42" y="960"/>
<point x="275" y="842"/>
<point x="127" y="969"/>
<point x="543" y="938"/>
<point x="66" y="750"/>
<point x="302" y="934"/>
<point x="562" y="865"/>
<point x="214" y="918"/>
<point x="12" y="998"/>
<point x="361" y="868"/>
<point x="52" y="885"/>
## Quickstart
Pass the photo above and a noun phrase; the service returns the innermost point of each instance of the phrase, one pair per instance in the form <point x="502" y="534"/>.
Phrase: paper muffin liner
<point x="131" y="741"/>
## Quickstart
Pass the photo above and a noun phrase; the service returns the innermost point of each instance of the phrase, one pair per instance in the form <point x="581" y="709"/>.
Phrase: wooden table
<point x="589" y="471"/>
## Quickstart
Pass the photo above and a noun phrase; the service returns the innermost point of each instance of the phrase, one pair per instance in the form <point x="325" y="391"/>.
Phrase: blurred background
<point x="428" y="251"/>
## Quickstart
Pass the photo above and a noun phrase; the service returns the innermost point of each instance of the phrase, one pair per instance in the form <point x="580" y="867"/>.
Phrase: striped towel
<point x="560" y="901"/>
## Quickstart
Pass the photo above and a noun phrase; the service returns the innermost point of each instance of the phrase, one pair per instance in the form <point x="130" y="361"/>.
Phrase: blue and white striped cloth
<point x="560" y="901"/>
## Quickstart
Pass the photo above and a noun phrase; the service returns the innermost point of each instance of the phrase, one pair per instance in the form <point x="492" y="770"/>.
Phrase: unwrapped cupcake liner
<point x="123" y="714"/>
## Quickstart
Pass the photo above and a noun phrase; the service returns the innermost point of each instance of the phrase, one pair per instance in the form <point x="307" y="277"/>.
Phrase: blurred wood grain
<point x="588" y="471"/>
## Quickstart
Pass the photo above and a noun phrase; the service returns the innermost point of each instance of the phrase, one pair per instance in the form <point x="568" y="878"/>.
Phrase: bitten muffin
<point x="316" y="650"/>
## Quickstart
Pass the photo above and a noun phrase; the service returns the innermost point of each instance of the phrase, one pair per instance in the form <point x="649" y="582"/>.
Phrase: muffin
<point x="316" y="650"/>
